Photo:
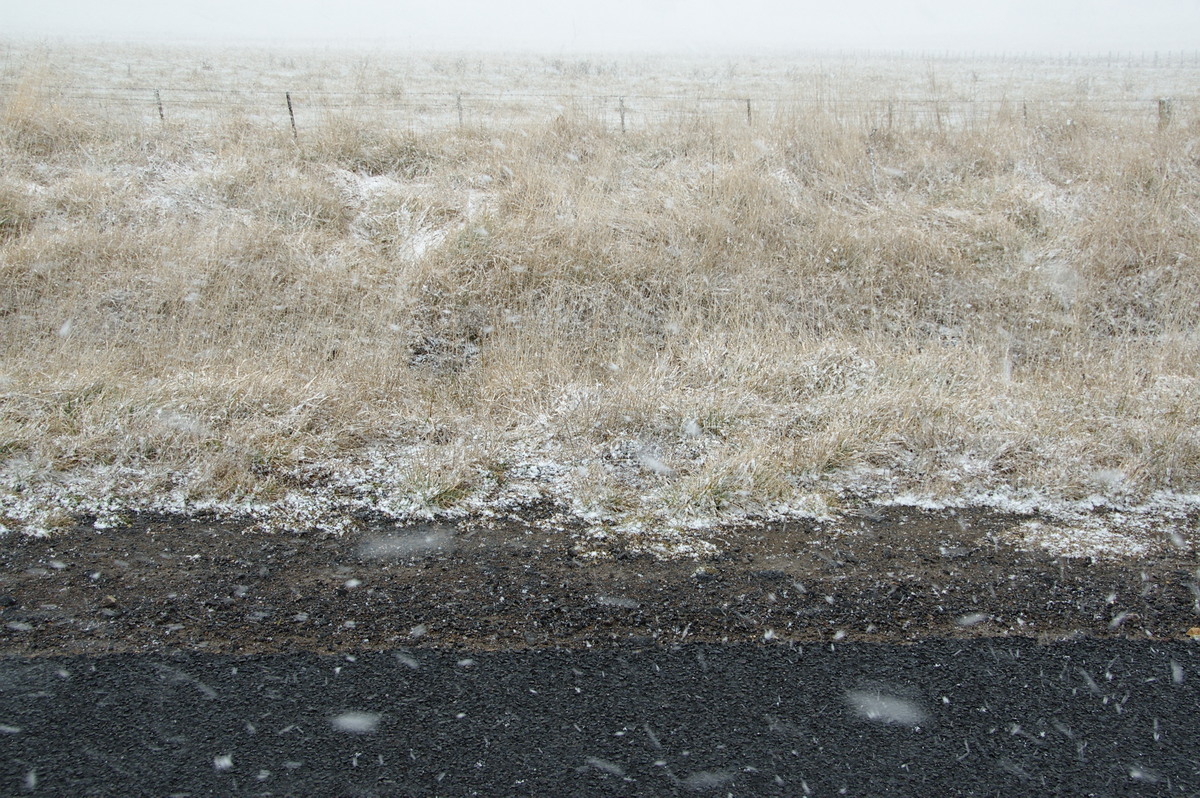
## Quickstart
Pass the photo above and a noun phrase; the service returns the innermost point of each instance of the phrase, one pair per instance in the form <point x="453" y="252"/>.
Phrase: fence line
<point x="441" y="109"/>
<point x="140" y="92"/>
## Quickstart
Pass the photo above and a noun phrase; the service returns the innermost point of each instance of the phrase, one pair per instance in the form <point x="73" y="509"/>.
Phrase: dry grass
<point x="691" y="318"/>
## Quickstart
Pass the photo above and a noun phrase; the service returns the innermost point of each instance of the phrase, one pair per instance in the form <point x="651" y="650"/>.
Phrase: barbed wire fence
<point x="420" y="111"/>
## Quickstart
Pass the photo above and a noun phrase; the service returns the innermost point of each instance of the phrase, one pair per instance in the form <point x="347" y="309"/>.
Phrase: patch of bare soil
<point x="898" y="575"/>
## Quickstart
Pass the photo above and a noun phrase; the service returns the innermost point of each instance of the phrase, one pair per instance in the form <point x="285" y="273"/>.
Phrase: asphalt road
<point x="987" y="716"/>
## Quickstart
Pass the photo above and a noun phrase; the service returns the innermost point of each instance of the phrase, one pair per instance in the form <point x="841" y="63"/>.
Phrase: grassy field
<point x="936" y="278"/>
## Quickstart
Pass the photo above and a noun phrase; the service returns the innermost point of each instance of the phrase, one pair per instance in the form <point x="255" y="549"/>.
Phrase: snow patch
<point x="1087" y="538"/>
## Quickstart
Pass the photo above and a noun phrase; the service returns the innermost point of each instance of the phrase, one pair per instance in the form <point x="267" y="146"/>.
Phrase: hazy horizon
<point x="626" y="26"/>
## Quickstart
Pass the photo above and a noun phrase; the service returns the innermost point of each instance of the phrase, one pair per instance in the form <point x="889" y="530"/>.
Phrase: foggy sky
<point x="1054" y="26"/>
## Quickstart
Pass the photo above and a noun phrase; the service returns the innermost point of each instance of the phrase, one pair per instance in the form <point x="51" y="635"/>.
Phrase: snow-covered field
<point x="470" y="283"/>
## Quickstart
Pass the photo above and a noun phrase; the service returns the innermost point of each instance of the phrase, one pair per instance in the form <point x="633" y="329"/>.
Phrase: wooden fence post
<point x="291" y="115"/>
<point x="1164" y="112"/>
<point x="749" y="117"/>
<point x="621" y="110"/>
<point x="158" y="99"/>
<point x="458" y="106"/>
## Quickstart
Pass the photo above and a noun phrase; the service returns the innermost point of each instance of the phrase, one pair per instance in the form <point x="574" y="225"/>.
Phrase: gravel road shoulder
<point x="529" y="581"/>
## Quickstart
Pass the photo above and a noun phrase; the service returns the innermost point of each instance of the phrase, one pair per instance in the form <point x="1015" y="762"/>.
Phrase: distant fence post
<point x="621" y="111"/>
<point x="749" y="116"/>
<point x="458" y="107"/>
<point x="158" y="100"/>
<point x="1164" y="112"/>
<point x="291" y="115"/>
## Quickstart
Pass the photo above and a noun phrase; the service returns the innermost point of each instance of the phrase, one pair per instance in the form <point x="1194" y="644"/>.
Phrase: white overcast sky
<point x="623" y="25"/>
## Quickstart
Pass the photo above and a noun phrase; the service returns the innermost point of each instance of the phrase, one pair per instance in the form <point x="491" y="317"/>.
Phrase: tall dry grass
<point x="689" y="318"/>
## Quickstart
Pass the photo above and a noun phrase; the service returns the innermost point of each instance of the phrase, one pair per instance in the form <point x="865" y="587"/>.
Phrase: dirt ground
<point x="897" y="574"/>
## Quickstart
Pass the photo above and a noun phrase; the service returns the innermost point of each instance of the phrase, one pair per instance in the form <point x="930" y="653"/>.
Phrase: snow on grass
<point x="334" y="498"/>
<point x="1095" y="526"/>
<point x="662" y="333"/>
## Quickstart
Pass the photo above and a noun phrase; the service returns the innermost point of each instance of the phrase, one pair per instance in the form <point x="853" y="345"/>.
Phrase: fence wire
<point x="423" y="110"/>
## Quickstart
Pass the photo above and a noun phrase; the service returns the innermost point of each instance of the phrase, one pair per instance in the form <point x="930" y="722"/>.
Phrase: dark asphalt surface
<point x="998" y="716"/>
